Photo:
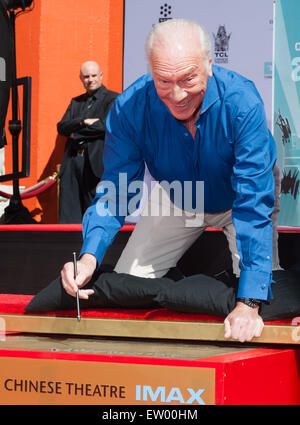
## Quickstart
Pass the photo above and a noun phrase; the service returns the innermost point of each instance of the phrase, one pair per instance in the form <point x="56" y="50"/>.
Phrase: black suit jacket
<point x="93" y="135"/>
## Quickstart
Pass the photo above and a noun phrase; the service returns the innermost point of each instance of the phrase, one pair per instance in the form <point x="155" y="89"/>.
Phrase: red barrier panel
<point x="78" y="227"/>
<point x="52" y="227"/>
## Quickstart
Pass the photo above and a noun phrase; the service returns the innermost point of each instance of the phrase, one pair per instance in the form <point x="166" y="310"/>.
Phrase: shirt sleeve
<point x="98" y="129"/>
<point x="69" y="124"/>
<point x="253" y="183"/>
<point x="123" y="164"/>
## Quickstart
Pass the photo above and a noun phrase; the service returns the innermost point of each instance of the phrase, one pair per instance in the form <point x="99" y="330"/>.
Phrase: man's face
<point x="91" y="77"/>
<point x="180" y="76"/>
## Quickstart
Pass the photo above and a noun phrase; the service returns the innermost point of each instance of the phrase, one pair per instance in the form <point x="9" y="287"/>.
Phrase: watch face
<point x="254" y="301"/>
<point x="253" y="304"/>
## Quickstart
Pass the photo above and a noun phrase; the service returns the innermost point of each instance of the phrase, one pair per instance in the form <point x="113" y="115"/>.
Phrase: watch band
<point x="251" y="302"/>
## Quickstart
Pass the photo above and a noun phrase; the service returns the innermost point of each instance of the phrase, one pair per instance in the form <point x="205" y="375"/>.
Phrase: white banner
<point x="241" y="34"/>
<point x="287" y="108"/>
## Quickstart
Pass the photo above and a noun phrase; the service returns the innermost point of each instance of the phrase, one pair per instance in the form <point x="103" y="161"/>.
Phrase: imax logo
<point x="161" y="394"/>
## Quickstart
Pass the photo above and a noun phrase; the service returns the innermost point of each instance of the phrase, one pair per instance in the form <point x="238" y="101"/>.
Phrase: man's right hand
<point x="85" y="269"/>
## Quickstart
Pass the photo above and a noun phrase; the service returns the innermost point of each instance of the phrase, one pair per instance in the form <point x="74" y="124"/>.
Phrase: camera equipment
<point x="16" y="213"/>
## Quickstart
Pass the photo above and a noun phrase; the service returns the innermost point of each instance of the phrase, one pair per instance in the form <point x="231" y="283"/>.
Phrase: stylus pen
<point x="77" y="293"/>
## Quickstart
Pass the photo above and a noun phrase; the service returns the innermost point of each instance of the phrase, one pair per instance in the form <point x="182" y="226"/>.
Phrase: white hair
<point x="162" y="31"/>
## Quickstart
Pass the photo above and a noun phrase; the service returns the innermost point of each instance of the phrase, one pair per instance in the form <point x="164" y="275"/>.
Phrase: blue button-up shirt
<point x="233" y="153"/>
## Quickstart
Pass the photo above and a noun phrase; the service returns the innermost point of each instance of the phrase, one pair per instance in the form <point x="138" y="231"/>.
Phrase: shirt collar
<point x="98" y="93"/>
<point x="211" y="94"/>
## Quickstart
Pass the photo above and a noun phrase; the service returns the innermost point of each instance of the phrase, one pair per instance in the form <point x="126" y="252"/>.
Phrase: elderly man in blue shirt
<point x="188" y="121"/>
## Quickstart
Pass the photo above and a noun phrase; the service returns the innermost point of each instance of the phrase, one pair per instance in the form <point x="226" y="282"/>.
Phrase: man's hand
<point x="243" y="323"/>
<point x="90" y="121"/>
<point x="85" y="269"/>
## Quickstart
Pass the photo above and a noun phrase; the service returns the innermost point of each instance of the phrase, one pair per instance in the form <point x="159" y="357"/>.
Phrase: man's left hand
<point x="243" y="323"/>
<point x="90" y="121"/>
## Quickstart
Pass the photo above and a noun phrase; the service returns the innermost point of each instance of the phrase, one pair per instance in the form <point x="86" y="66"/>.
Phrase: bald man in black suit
<point x="84" y="125"/>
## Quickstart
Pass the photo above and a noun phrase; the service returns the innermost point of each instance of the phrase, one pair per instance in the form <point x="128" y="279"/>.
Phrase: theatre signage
<point x="43" y="381"/>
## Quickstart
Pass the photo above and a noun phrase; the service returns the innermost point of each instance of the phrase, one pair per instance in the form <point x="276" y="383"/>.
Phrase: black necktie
<point x="89" y="102"/>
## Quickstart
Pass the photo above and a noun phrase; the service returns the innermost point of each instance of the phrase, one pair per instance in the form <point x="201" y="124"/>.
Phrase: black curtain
<point x="5" y="68"/>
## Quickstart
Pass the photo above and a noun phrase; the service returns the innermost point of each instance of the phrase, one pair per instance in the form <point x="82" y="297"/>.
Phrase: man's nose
<point x="178" y="94"/>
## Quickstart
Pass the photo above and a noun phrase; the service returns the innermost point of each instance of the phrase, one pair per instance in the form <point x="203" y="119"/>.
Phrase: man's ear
<point x="209" y="66"/>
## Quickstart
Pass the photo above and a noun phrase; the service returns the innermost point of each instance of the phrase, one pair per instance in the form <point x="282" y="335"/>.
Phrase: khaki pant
<point x="159" y="241"/>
